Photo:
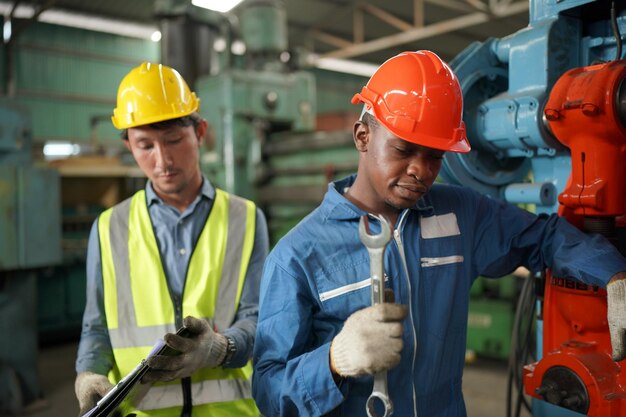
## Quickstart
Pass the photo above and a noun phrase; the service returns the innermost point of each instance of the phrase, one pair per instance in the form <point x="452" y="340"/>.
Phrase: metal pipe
<point x="542" y="193"/>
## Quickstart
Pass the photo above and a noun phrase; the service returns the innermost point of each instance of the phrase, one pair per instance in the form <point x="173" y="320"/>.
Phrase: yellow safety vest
<point x="139" y="309"/>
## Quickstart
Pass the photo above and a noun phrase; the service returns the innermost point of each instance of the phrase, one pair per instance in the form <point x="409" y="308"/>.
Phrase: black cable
<point x="523" y="352"/>
<point x="527" y="344"/>
<point x="615" y="28"/>
<point x="512" y="375"/>
<point x="522" y="343"/>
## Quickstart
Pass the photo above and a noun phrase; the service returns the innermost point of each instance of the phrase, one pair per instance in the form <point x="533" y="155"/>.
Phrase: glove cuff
<point x="218" y="349"/>
<point x="86" y="380"/>
<point x="616" y="290"/>
<point x="341" y="358"/>
<point x="89" y="387"/>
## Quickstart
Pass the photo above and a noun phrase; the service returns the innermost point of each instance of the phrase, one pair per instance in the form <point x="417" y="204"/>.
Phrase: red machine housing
<point x="586" y="112"/>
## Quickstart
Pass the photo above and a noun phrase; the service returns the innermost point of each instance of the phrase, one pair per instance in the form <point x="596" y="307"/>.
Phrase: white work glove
<point x="616" y="316"/>
<point x="204" y="348"/>
<point x="90" y="388"/>
<point x="370" y="341"/>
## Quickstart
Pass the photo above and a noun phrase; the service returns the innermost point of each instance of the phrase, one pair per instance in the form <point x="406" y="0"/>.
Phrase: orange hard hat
<point x="417" y="97"/>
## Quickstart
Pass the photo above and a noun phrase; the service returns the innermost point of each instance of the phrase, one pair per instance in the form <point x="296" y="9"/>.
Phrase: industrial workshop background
<point x="275" y="81"/>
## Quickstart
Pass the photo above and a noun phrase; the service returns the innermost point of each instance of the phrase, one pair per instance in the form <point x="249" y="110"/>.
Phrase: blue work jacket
<point x="318" y="275"/>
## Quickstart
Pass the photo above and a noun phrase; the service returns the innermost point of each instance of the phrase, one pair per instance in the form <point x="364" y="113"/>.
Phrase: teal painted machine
<point x="506" y="83"/>
<point x="253" y="96"/>
<point x="61" y="82"/>
<point x="30" y="242"/>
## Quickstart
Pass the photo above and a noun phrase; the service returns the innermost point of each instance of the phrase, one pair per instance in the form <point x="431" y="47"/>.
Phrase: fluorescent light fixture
<point x="221" y="6"/>
<point x="82" y="21"/>
<point x="6" y="31"/>
<point x="53" y="150"/>
<point x="344" y="65"/>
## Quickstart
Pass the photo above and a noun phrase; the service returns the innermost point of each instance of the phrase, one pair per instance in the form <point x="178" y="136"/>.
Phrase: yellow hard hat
<point x="152" y="93"/>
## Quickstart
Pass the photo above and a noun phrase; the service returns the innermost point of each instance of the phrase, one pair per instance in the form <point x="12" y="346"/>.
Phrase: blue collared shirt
<point x="175" y="233"/>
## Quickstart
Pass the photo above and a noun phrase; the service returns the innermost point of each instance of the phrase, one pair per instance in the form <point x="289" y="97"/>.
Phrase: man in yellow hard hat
<point x="178" y="253"/>
<point x="320" y="342"/>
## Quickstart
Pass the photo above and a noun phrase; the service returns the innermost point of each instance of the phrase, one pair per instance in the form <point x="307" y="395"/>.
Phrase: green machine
<point x="491" y="316"/>
<point x="264" y="113"/>
<point x="252" y="97"/>
<point x="30" y="242"/>
<point x="260" y="104"/>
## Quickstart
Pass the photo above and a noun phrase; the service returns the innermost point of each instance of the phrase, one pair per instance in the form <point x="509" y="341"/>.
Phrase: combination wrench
<point x="376" y="245"/>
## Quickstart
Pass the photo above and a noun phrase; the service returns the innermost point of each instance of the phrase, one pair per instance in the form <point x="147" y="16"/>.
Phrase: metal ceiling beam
<point x="428" y="31"/>
<point x="478" y="5"/>
<point x="329" y="39"/>
<point x="386" y="17"/>
<point x="418" y="13"/>
<point x="358" y="26"/>
<point x="452" y="5"/>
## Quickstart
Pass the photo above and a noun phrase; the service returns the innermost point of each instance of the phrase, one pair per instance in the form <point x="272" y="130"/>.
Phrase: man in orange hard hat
<point x="180" y="252"/>
<point x="319" y="340"/>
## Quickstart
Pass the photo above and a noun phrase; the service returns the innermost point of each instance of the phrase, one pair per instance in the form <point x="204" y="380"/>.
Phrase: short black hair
<point x="370" y="120"/>
<point x="192" y="119"/>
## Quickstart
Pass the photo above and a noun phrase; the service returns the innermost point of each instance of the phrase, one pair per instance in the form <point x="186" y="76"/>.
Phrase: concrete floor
<point x="484" y="385"/>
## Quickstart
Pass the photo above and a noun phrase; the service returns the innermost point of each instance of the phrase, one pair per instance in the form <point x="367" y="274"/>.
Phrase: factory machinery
<point x="545" y="110"/>
<point x="265" y="142"/>
<point x="30" y="243"/>
<point x="546" y="116"/>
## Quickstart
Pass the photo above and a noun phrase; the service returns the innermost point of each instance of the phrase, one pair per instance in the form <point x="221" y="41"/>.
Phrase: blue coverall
<point x="318" y="275"/>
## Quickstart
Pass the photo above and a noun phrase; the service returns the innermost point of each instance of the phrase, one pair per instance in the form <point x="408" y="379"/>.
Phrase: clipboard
<point x="129" y="391"/>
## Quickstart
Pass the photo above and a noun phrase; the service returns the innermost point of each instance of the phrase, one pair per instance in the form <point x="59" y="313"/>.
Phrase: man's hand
<point x="90" y="388"/>
<point x="203" y="348"/>
<point x="616" y="314"/>
<point x="370" y="341"/>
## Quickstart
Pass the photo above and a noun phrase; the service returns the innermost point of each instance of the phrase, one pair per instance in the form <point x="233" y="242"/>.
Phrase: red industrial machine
<point x="586" y="111"/>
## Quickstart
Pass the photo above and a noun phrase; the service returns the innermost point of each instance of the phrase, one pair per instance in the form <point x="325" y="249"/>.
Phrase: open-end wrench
<point x="376" y="245"/>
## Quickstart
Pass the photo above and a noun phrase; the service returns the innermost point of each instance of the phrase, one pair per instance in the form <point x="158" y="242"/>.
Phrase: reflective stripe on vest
<point x="203" y="392"/>
<point x="137" y="301"/>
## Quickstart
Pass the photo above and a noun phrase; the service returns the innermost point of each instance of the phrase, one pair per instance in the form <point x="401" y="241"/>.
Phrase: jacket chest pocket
<point x="445" y="288"/>
<point x="344" y="290"/>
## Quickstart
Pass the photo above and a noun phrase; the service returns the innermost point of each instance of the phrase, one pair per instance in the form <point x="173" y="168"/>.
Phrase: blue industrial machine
<point x="516" y="156"/>
<point x="30" y="241"/>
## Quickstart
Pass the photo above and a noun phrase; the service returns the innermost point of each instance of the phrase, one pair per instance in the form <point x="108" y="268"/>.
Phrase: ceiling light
<point x="222" y="6"/>
<point x="81" y="21"/>
<point x="52" y="150"/>
<point x="344" y="65"/>
<point x="6" y="31"/>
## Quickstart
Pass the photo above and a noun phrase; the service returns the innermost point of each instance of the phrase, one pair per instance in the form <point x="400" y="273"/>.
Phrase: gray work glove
<point x="616" y="316"/>
<point x="204" y="348"/>
<point x="90" y="388"/>
<point x="370" y="341"/>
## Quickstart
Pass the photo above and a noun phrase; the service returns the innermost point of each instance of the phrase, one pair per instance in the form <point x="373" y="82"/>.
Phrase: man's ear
<point x="127" y="144"/>
<point x="361" y="135"/>
<point x="201" y="131"/>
